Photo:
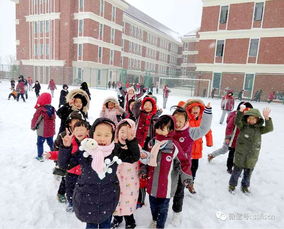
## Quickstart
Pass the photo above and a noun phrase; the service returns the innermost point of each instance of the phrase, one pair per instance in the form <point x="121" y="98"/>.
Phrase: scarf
<point x="98" y="156"/>
<point x="160" y="141"/>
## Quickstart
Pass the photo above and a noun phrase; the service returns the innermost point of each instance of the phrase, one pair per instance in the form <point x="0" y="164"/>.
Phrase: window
<point x="111" y="57"/>
<point x="102" y="8"/>
<point x="101" y="31"/>
<point x="253" y="47"/>
<point x="99" y="77"/>
<point x="46" y="26"/>
<point x="224" y="15"/>
<point x="80" y="50"/>
<point x="47" y="50"/>
<point x="112" y="36"/>
<point x="113" y="15"/>
<point x="100" y="55"/>
<point x="35" y="27"/>
<point x="220" y="48"/>
<point x="217" y="80"/>
<point x="80" y="74"/>
<point x="41" y="23"/>
<point x="258" y="11"/>
<point x="35" y="49"/>
<point x="249" y="82"/>
<point x="41" y="50"/>
<point x="81" y="4"/>
<point x="81" y="24"/>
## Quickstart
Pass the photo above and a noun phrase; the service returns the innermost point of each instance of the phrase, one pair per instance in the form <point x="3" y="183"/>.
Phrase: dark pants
<point x="236" y="174"/>
<point x="62" y="189"/>
<point x="37" y="93"/>
<point x="129" y="219"/>
<point x="178" y="198"/>
<point x="230" y="159"/>
<point x="194" y="167"/>
<point x="22" y="96"/>
<point x="70" y="182"/>
<point x="40" y="142"/>
<point x="105" y="224"/>
<point x="159" y="209"/>
<point x="12" y="96"/>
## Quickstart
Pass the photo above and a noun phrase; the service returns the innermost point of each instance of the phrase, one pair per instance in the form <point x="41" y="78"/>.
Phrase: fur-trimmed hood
<point x="153" y="101"/>
<point x="110" y="99"/>
<point x="82" y="93"/>
<point x="192" y="103"/>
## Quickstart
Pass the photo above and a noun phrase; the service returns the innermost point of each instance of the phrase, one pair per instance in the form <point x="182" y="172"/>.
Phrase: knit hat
<point x="101" y="121"/>
<point x="75" y="115"/>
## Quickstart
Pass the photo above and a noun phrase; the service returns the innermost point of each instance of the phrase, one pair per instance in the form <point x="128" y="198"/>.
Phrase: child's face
<point x="103" y="134"/>
<point x="195" y="111"/>
<point x="122" y="134"/>
<point x="110" y="105"/>
<point x="252" y="120"/>
<point x="131" y="92"/>
<point x="131" y="106"/>
<point x="164" y="132"/>
<point x="148" y="106"/>
<point x="72" y="123"/>
<point x="78" y="103"/>
<point x="80" y="133"/>
<point x="180" y="121"/>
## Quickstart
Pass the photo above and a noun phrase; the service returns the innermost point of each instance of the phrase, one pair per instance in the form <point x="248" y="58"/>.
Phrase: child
<point x="37" y="88"/>
<point x="166" y="92"/>
<point x="250" y="124"/>
<point x="145" y="114"/>
<point x="80" y="132"/>
<point x="13" y="94"/>
<point x="128" y="181"/>
<point x="77" y="100"/>
<point x="195" y="110"/>
<point x="227" y="105"/>
<point x="64" y="92"/>
<point x="72" y="119"/>
<point x="130" y="94"/>
<point x="20" y="88"/>
<point x="96" y="192"/>
<point x="52" y="87"/>
<point x="232" y="133"/>
<point x="112" y="110"/>
<point x="44" y="122"/>
<point x="166" y="161"/>
<point x="185" y="136"/>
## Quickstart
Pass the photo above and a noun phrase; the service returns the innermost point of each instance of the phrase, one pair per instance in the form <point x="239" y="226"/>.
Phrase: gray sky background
<point x="181" y="16"/>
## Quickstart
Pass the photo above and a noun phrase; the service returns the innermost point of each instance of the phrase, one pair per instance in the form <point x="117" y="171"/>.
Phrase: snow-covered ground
<point x="28" y="188"/>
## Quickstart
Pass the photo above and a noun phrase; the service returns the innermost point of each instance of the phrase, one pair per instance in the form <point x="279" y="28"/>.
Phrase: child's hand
<point x="104" y="107"/>
<point x="266" y="111"/>
<point x="46" y="155"/>
<point x="208" y="105"/>
<point x="143" y="155"/>
<point x="67" y="140"/>
<point x="242" y="108"/>
<point x="116" y="106"/>
<point x="130" y="134"/>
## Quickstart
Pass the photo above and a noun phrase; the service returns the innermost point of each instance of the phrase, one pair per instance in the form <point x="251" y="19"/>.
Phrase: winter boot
<point x="116" y="222"/>
<point x="245" y="190"/>
<point x="153" y="224"/>
<point x="210" y="157"/>
<point x="40" y="159"/>
<point x="231" y="188"/>
<point x="61" y="198"/>
<point x="176" y="219"/>
<point x="191" y="189"/>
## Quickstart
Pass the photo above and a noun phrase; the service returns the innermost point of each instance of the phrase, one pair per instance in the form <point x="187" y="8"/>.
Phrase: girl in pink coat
<point x="112" y="110"/>
<point x="128" y="180"/>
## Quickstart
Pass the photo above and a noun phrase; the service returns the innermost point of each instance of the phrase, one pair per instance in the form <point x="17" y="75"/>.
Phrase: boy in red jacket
<point x="227" y="105"/>
<point x="44" y="122"/>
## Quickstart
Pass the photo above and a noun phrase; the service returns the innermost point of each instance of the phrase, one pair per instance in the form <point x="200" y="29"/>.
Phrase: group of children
<point x="131" y="149"/>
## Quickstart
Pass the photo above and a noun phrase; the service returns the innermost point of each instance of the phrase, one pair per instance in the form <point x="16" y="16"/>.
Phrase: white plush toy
<point x="88" y="145"/>
<point x="99" y="163"/>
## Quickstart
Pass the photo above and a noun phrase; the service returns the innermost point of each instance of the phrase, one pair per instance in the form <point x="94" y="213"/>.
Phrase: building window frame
<point x="253" y="47"/>
<point x="258" y="11"/>
<point x="101" y="31"/>
<point x="102" y="8"/>
<point x="224" y="14"/>
<point x="100" y="54"/>
<point x="220" y="44"/>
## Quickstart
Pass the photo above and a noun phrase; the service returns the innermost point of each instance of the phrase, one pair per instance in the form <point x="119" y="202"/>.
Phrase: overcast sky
<point x="181" y="16"/>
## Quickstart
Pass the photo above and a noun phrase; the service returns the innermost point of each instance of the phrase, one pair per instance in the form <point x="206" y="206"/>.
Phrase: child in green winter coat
<point x="248" y="145"/>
